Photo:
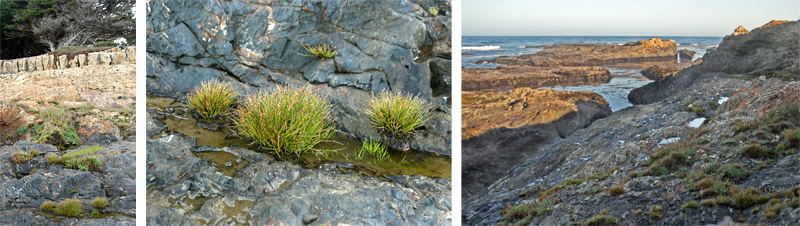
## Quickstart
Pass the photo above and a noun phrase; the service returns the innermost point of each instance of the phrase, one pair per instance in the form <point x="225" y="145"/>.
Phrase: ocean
<point x="615" y="92"/>
<point x="490" y="47"/>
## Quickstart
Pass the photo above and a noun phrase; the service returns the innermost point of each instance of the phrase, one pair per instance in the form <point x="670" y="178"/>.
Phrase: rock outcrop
<point x="381" y="46"/>
<point x="25" y="186"/>
<point x="590" y="54"/>
<point x="510" y="77"/>
<point x="499" y="129"/>
<point x="661" y="72"/>
<point x="768" y="51"/>
<point x="686" y="55"/>
<point x="740" y="30"/>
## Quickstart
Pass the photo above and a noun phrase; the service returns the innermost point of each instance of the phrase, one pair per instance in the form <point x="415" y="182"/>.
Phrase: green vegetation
<point x="323" y="51"/>
<point x="72" y="51"/>
<point x="24" y="156"/>
<point x="670" y="157"/>
<point x="754" y="151"/>
<point x="374" y="148"/>
<point x="80" y="159"/>
<point x="526" y="210"/>
<point x="748" y="197"/>
<point x="47" y="205"/>
<point x="708" y="202"/>
<point x="616" y="190"/>
<point x="57" y="127"/>
<point x="690" y="204"/>
<point x="434" y="11"/>
<point x="99" y="202"/>
<point x="602" y="218"/>
<point x="211" y="98"/>
<point x="655" y="211"/>
<point x="398" y="114"/>
<point x="734" y="171"/>
<point x="286" y="120"/>
<point x="69" y="208"/>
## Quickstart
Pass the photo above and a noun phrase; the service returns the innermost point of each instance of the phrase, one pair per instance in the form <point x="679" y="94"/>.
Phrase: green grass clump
<point x="24" y="156"/>
<point x="755" y="151"/>
<point x="286" y="120"/>
<point x="81" y="159"/>
<point x="211" y="98"/>
<point x="374" y="148"/>
<point x="748" y="197"/>
<point x="602" y="218"/>
<point x="434" y="11"/>
<point x="99" y="202"/>
<point x="734" y="171"/>
<point x="69" y="208"/>
<point x="690" y="204"/>
<point x="533" y="208"/>
<point x="47" y="205"/>
<point x="708" y="202"/>
<point x="323" y="51"/>
<point x="670" y="157"/>
<point x="398" y="114"/>
<point x="616" y="190"/>
<point x="57" y="127"/>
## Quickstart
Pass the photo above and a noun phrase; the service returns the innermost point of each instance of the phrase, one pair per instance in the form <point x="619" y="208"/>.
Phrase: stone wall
<point x="50" y="61"/>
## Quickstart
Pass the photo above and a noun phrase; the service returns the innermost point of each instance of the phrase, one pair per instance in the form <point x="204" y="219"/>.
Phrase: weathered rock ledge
<point x="499" y="129"/>
<point x="591" y="54"/>
<point x="510" y="77"/>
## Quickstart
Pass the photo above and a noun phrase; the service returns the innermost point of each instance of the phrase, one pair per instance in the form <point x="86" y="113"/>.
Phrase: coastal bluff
<point x="51" y="61"/>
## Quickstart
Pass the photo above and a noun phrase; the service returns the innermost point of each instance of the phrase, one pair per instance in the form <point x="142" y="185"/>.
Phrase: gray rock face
<point x="762" y="51"/>
<point x="184" y="189"/>
<point x="380" y="45"/>
<point x="25" y="186"/>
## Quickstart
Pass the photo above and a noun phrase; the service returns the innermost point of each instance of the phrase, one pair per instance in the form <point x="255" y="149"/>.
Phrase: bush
<point x="616" y="190"/>
<point x="398" y="114"/>
<point x="211" y="99"/>
<point x="286" y="120"/>
<point x="47" y="205"/>
<point x="323" y="51"/>
<point x="106" y="43"/>
<point x="69" y="208"/>
<point x="57" y="127"/>
<point x="375" y="148"/>
<point x="24" y="156"/>
<point x="99" y="202"/>
<point x="9" y="114"/>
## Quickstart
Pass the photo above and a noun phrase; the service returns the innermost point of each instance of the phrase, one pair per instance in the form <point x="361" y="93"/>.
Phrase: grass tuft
<point x="47" y="205"/>
<point x="286" y="120"/>
<point x="211" y="99"/>
<point x="69" y="208"/>
<point x="616" y="190"/>
<point x="398" y="114"/>
<point x="602" y="218"/>
<point x="748" y="197"/>
<point x="374" y="148"/>
<point x="690" y="204"/>
<point x="24" y="156"/>
<point x="100" y="202"/>
<point x="754" y="151"/>
<point x="533" y="208"/>
<point x="81" y="159"/>
<point x="434" y="11"/>
<point x="323" y="51"/>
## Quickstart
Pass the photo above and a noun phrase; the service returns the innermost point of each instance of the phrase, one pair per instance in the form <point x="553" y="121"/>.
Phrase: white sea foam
<point x="480" y="48"/>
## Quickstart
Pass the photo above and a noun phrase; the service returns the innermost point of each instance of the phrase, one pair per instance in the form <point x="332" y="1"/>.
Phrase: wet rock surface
<point x="185" y="189"/>
<point x="25" y="186"/>
<point x="576" y="172"/>
<point x="499" y="129"/>
<point x="393" y="46"/>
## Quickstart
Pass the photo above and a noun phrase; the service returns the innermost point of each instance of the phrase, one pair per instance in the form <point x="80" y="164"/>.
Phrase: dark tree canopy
<point x="33" y="27"/>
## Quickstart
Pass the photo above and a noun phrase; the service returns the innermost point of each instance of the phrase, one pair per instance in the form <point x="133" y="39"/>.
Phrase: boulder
<point x="686" y="55"/>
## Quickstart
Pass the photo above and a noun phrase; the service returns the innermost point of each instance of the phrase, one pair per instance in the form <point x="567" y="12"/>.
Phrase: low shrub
<point x="57" y="127"/>
<point x="9" y="114"/>
<point x="398" y="114"/>
<point x="602" y="218"/>
<point x="748" y="197"/>
<point x="211" y="99"/>
<point x="734" y="171"/>
<point x="69" y="208"/>
<point x="690" y="204"/>
<point x="533" y="208"/>
<point x="99" y="202"/>
<point x="72" y="51"/>
<point x="323" y="51"/>
<point x="47" y="205"/>
<point x="616" y="190"/>
<point x="285" y="120"/>
<point x="80" y="159"/>
<point x="754" y="151"/>
<point x="24" y="156"/>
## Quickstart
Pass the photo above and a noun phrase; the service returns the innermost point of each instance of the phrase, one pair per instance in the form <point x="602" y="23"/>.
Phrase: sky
<point x="620" y="17"/>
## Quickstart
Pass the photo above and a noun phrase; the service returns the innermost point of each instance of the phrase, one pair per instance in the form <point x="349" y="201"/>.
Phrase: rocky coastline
<point x="688" y="153"/>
